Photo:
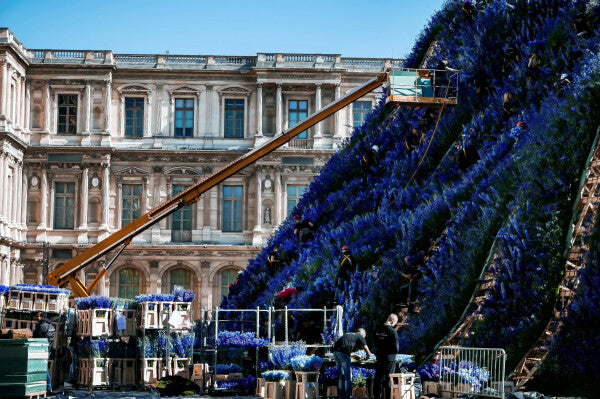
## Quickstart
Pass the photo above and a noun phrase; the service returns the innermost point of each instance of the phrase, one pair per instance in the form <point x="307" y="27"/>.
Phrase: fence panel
<point x="476" y="371"/>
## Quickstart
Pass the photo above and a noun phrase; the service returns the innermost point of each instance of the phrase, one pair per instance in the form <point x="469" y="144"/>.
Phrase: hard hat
<point x="375" y="148"/>
<point x="345" y="248"/>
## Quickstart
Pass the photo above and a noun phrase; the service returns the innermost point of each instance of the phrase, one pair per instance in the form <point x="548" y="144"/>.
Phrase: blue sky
<point x="353" y="28"/>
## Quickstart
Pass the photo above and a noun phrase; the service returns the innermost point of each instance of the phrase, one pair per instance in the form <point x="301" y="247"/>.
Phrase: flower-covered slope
<point x="516" y="186"/>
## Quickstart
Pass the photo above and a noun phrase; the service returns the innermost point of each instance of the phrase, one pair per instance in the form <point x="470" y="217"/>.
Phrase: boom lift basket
<point x="422" y="87"/>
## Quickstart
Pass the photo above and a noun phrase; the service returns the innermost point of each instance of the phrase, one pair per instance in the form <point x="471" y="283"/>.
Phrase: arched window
<point x="33" y="208"/>
<point x="36" y="117"/>
<point x="180" y="277"/>
<point x="228" y="277"/>
<point x="97" y="118"/>
<point x="94" y="210"/>
<point x="129" y="283"/>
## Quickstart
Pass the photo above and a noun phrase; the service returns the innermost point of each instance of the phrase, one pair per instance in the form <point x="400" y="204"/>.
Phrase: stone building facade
<point x="90" y="140"/>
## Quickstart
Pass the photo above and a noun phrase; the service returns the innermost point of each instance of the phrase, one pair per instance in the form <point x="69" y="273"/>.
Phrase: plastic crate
<point x="150" y="370"/>
<point x="149" y="314"/>
<point x="24" y="324"/>
<point x="307" y="385"/>
<point x="274" y="389"/>
<point x="181" y="315"/>
<point x="10" y="323"/>
<point x="83" y="370"/>
<point x="260" y="387"/>
<point x="124" y="371"/>
<point x="27" y="299"/>
<point x="94" y="322"/>
<point x="14" y="299"/>
<point x="130" y="322"/>
<point x="40" y="299"/>
<point x="93" y="372"/>
<point x="57" y="302"/>
<point x="180" y="366"/>
<point x="403" y="385"/>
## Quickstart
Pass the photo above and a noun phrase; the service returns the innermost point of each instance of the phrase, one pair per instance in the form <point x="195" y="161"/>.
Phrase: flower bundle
<point x="154" y="298"/>
<point x="239" y="384"/>
<point x="228" y="368"/>
<point x="360" y="375"/>
<point x="181" y="344"/>
<point x="306" y="363"/>
<point x="330" y="375"/>
<point x="363" y="355"/>
<point x="236" y="339"/>
<point x="40" y="288"/>
<point x="93" y="302"/>
<point x="275" y="375"/>
<point x="282" y="355"/>
<point x="467" y="372"/>
<point x="94" y="348"/>
<point x="429" y="372"/>
<point x="180" y="294"/>
<point x="3" y="290"/>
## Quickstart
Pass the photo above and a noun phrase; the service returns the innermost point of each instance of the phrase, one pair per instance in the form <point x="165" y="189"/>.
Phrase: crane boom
<point x="67" y="273"/>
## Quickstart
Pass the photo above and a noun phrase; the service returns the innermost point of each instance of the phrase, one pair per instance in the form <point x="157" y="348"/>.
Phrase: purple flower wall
<point x="517" y="189"/>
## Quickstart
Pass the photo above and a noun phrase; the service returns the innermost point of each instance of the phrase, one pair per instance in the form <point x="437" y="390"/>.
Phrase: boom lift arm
<point x="67" y="273"/>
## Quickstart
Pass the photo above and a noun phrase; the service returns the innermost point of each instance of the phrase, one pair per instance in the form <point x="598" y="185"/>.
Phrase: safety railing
<point x="474" y="371"/>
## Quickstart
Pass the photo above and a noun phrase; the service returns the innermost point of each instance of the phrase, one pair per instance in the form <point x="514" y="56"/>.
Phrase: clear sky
<point x="353" y="28"/>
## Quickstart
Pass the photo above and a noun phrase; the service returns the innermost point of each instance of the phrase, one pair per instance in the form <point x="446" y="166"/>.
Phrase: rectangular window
<point x="181" y="221"/>
<point x="294" y="193"/>
<point x="232" y="208"/>
<point x="184" y="117"/>
<point x="132" y="201"/>
<point x="67" y="113"/>
<point x="134" y="117"/>
<point x="64" y="206"/>
<point x="297" y="112"/>
<point x="234" y="118"/>
<point x="360" y="109"/>
<point x="228" y="278"/>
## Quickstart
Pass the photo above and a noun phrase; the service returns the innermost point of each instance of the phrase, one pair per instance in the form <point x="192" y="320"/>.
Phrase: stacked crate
<point x="23" y="366"/>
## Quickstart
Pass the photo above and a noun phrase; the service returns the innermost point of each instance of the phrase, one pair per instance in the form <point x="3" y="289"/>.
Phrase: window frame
<point x="231" y="228"/>
<point x="77" y="112"/>
<point x="362" y="112"/>
<point x="297" y="185"/>
<point x="143" y="120"/>
<point x="130" y="285"/>
<point x="172" y="285"/>
<point x="183" y="186"/>
<point x="306" y="133"/>
<point x="123" y="197"/>
<point x="234" y="273"/>
<point x="176" y="97"/>
<point x="242" y="133"/>
<point x="65" y="206"/>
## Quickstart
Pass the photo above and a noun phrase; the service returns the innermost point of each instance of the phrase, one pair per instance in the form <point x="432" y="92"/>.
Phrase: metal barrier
<point x="476" y="371"/>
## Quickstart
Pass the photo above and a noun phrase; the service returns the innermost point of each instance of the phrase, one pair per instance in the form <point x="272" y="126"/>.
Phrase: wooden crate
<point x="150" y="370"/>
<point x="40" y="299"/>
<point x="57" y="302"/>
<point x="403" y="385"/>
<point x="180" y="366"/>
<point x="94" y="322"/>
<point x="274" y="390"/>
<point x="27" y="300"/>
<point x="14" y="299"/>
<point x="149" y="314"/>
<point x="306" y="385"/>
<point x="124" y="371"/>
<point x="260" y="387"/>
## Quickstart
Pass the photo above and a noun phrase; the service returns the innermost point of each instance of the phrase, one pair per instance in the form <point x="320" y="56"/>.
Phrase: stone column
<point x="23" y="216"/>
<point x="197" y="119"/>
<point x="213" y="208"/>
<point x="27" y="105"/>
<point x="172" y="116"/>
<point x="147" y="116"/>
<point x="336" y="129"/>
<point x="18" y="201"/>
<point x="17" y="104"/>
<point x="318" y="127"/>
<point x="278" y="111"/>
<point x="4" y="88"/>
<point x="259" y="221"/>
<point x="88" y="107"/>
<point x="209" y="100"/>
<point x="277" y="217"/>
<point x="105" y="192"/>
<point x="47" y="107"/>
<point x="2" y="182"/>
<point x="44" y="200"/>
<point x="259" y="110"/>
<point x="121" y="117"/>
<point x="23" y="101"/>
<point x="107" y="101"/>
<point x="84" y="198"/>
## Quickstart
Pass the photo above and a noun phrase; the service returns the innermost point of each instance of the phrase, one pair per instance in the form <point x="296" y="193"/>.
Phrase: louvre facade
<point x="90" y="140"/>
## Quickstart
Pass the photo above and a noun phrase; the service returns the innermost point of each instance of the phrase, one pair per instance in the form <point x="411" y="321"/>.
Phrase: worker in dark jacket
<point x="386" y="348"/>
<point x="343" y="347"/>
<point x="303" y="229"/>
<point x="45" y="329"/>
<point x="370" y="163"/>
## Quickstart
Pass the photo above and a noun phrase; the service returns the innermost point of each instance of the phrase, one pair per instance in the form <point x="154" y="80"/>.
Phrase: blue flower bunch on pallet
<point x="281" y="355"/>
<point x="275" y="375"/>
<point x="429" y="372"/>
<point x="238" y="384"/>
<point x="236" y="339"/>
<point x="93" y="302"/>
<point x="3" y="289"/>
<point x="306" y="363"/>
<point x="40" y="288"/>
<point x="154" y="298"/>
<point x="181" y="344"/>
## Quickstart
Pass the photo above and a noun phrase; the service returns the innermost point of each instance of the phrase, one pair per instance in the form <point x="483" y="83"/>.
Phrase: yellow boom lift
<point x="405" y="87"/>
